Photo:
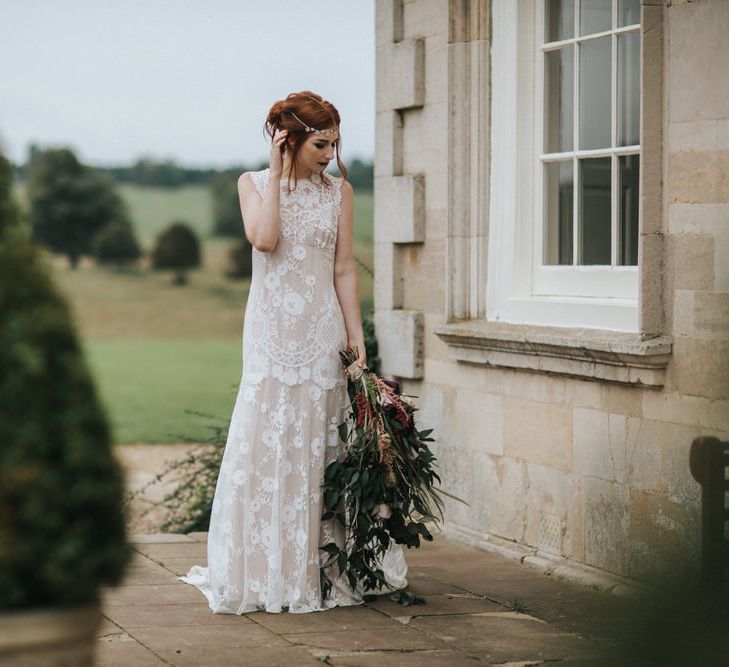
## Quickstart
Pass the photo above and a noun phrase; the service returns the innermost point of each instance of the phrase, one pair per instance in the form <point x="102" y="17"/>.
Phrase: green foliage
<point x="116" y="244"/>
<point x="69" y="202"/>
<point x="240" y="260"/>
<point x="160" y="173"/>
<point x="177" y="248"/>
<point x="62" y="529"/>
<point x="360" y="174"/>
<point x="371" y="347"/>
<point x="226" y="206"/>
<point x="8" y="209"/>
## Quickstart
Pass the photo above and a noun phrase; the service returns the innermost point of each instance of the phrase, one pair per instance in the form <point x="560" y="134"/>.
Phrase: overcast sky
<point x="190" y="80"/>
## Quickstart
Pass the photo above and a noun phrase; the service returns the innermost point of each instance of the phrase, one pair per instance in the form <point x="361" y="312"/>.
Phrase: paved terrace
<point x="481" y="609"/>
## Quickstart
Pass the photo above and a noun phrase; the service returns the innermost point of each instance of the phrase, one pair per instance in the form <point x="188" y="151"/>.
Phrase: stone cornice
<point x="602" y="355"/>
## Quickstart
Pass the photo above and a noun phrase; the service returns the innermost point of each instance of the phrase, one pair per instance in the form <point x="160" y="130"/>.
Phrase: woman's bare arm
<point x="346" y="283"/>
<point x="261" y="220"/>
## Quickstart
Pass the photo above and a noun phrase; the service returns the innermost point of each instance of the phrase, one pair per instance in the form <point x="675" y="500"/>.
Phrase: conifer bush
<point x="62" y="522"/>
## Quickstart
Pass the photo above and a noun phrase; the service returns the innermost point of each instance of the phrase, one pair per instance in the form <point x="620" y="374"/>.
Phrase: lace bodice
<point x="293" y="317"/>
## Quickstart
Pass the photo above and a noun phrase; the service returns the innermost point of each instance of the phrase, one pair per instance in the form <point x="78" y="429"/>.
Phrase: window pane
<point x="628" y="89"/>
<point x="559" y="20"/>
<point x="628" y="169"/>
<point x="595" y="16"/>
<point x="558" y="200"/>
<point x="595" y="211"/>
<point x="628" y="12"/>
<point x="595" y="93"/>
<point x="558" y="99"/>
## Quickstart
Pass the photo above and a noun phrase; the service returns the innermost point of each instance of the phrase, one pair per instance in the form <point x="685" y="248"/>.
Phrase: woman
<point x="303" y="307"/>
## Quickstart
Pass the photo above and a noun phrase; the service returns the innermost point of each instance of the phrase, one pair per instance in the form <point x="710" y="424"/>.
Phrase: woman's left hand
<point x="362" y="359"/>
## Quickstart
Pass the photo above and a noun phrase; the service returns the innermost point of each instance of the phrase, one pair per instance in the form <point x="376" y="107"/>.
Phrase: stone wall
<point x="574" y="471"/>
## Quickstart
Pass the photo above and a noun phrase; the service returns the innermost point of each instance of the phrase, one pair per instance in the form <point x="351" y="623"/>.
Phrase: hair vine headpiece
<point x="313" y="129"/>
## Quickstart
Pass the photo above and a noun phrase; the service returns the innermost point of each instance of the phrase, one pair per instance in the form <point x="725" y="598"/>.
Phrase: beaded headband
<point x="325" y="133"/>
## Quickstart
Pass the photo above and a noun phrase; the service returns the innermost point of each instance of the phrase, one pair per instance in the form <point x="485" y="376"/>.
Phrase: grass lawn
<point x="147" y="385"/>
<point x="157" y="350"/>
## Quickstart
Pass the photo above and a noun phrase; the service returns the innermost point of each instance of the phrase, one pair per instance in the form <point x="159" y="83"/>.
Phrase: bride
<point x="266" y="528"/>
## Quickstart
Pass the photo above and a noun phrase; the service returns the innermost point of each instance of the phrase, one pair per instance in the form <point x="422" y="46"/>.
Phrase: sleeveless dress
<point x="265" y="525"/>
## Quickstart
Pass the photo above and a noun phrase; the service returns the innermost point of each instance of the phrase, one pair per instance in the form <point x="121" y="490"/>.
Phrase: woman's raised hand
<point x="278" y="147"/>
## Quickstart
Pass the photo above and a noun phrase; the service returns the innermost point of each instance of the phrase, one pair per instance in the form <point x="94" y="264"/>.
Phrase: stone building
<point x="552" y="265"/>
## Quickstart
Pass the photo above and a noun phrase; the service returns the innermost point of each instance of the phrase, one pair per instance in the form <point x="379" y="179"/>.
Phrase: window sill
<point x="586" y="353"/>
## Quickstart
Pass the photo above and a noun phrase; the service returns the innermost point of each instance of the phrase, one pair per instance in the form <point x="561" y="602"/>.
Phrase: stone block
<point x="689" y="262"/>
<point x="548" y="505"/>
<point x="586" y="393"/>
<point x="599" y="444"/>
<point x="665" y="536"/>
<point x="388" y="280"/>
<point x="538" y="432"/>
<point x="426" y="18"/>
<point x="400" y="342"/>
<point x="650" y="283"/>
<point x="698" y="177"/>
<point x="682" y="323"/>
<point x="695" y="411"/>
<point x="422" y="262"/>
<point x="400" y="209"/>
<point x="697" y="60"/>
<point x="711" y="314"/>
<point x="710" y="219"/>
<point x="699" y="135"/>
<point x="388" y="21"/>
<point x="658" y="458"/>
<point x="400" y="75"/>
<point x="622" y="400"/>
<point x="721" y="262"/>
<point x="388" y="144"/>
<point x="424" y="130"/>
<point x="700" y="367"/>
<point x="474" y="420"/>
<point x="525" y="384"/>
<point x="606" y="524"/>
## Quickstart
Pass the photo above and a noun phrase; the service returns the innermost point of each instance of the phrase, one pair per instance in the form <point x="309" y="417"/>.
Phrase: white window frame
<point x="519" y="289"/>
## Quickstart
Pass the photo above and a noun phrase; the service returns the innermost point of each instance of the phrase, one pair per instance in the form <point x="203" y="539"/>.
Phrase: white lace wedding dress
<point x="266" y="527"/>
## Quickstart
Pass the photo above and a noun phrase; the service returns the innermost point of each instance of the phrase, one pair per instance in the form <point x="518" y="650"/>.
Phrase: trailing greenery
<point x="62" y="527"/>
<point x="383" y="487"/>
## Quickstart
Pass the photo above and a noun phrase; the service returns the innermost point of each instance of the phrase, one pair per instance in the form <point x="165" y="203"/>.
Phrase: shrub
<point x="177" y="248"/>
<point x="62" y="527"/>
<point x="116" y="244"/>
<point x="240" y="260"/>
<point x="227" y="220"/>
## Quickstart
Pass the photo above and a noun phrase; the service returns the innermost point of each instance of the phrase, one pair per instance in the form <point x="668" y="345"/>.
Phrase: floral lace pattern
<point x="265" y="527"/>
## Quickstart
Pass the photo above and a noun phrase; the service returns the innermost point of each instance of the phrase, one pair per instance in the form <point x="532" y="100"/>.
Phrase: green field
<point x="157" y="350"/>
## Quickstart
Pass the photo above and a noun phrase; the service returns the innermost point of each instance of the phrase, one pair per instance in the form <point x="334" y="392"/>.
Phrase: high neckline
<point x="314" y="178"/>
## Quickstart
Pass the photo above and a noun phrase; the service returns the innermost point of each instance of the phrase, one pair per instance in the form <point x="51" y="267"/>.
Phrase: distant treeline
<point x="169" y="174"/>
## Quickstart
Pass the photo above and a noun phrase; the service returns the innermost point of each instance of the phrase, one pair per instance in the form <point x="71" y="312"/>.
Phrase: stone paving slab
<point x="481" y="609"/>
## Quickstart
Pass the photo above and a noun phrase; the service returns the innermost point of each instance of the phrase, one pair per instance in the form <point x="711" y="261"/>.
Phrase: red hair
<point x="313" y="110"/>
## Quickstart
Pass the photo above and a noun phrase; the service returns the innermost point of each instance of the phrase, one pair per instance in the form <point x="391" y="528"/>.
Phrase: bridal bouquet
<point x="382" y="488"/>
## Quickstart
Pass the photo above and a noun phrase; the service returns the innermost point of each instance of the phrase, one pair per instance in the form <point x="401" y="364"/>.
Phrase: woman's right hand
<point x="278" y="147"/>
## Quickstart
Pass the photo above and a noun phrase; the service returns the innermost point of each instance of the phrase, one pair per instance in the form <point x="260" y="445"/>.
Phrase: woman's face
<point x="317" y="151"/>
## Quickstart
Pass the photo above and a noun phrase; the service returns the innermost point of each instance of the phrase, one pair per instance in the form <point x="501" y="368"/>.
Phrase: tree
<point x="227" y="219"/>
<point x="116" y="244"/>
<point x="69" y="202"/>
<point x="239" y="260"/>
<point x="177" y="248"/>
<point x="8" y="210"/>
